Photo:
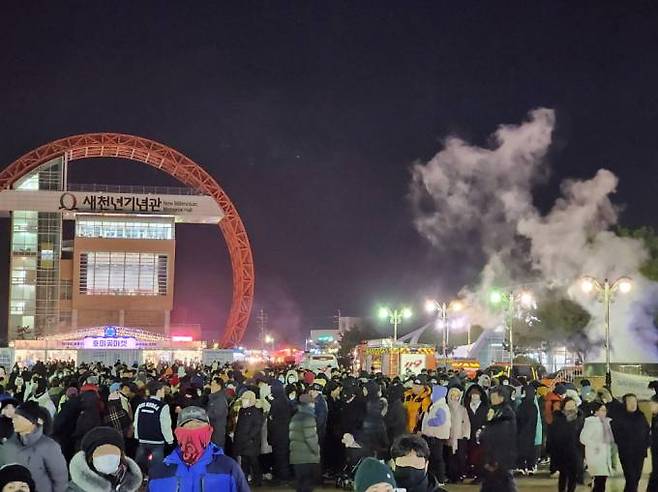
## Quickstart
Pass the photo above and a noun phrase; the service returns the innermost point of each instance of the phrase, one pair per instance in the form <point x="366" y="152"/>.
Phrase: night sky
<point x="309" y="114"/>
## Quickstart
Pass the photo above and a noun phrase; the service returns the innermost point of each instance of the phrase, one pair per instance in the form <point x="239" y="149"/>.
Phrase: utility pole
<point x="262" y="325"/>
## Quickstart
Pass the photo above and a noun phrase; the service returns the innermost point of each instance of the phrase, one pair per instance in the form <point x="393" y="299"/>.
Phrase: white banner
<point x="623" y="383"/>
<point x="412" y="362"/>
<point x="185" y="208"/>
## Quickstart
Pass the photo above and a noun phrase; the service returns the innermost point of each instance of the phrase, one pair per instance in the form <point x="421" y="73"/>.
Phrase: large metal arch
<point x="181" y="167"/>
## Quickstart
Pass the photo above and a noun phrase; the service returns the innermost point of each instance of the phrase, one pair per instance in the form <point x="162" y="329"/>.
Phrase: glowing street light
<point x="434" y="306"/>
<point x="606" y="291"/>
<point x="511" y="300"/>
<point x="395" y="317"/>
<point x="270" y="339"/>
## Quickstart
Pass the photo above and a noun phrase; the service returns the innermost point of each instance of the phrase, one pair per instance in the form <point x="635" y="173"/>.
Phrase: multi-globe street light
<point x="606" y="291"/>
<point x="443" y="308"/>
<point x="395" y="317"/>
<point x="513" y="301"/>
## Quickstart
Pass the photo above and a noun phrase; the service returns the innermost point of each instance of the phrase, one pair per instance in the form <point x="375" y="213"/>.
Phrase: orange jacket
<point x="549" y="401"/>
<point x="416" y="406"/>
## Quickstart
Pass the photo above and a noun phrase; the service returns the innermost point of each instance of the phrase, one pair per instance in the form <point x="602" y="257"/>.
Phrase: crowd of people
<point x="171" y="427"/>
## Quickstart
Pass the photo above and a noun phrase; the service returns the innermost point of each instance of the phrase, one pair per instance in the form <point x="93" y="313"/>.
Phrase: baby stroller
<point x="353" y="458"/>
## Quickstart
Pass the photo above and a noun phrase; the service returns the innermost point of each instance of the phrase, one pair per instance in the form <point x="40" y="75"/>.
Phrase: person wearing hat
<point x="321" y="410"/>
<point x="304" y="444"/>
<point x="247" y="436"/>
<point x="16" y="478"/>
<point x="102" y="465"/>
<point x="30" y="447"/>
<point x="152" y="426"/>
<point x="7" y="409"/>
<point x="196" y="465"/>
<point x="374" y="476"/>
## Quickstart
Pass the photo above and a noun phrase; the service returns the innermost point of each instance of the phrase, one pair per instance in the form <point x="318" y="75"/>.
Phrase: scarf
<point x="607" y="431"/>
<point x="193" y="442"/>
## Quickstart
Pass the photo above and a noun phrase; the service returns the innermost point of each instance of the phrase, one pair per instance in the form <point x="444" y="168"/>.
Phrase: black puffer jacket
<point x="278" y="420"/>
<point x="477" y="418"/>
<point x="372" y="435"/>
<point x="498" y="438"/>
<point x="631" y="432"/>
<point x="396" y="417"/>
<point x="89" y="416"/>
<point x="526" y="422"/>
<point x="247" y="438"/>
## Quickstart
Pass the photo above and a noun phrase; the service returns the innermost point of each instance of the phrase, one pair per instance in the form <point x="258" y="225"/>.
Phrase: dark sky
<point x="309" y="114"/>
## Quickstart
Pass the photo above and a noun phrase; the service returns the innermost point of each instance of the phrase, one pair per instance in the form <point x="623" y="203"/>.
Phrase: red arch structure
<point x="181" y="167"/>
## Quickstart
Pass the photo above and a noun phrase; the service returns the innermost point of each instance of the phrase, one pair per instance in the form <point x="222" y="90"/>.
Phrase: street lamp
<point x="395" y="317"/>
<point x="513" y="301"/>
<point x="434" y="306"/>
<point x="270" y="339"/>
<point x="606" y="291"/>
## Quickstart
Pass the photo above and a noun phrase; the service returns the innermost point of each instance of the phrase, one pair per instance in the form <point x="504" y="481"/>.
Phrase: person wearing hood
<point x="217" y="409"/>
<point x="527" y="418"/>
<point x="247" y="437"/>
<point x="304" y="444"/>
<point x="196" y="465"/>
<point x="565" y="451"/>
<point x="598" y="440"/>
<point x="477" y="406"/>
<point x="396" y="417"/>
<point x="88" y="418"/>
<point x="553" y="402"/>
<point x="372" y="435"/>
<point x="460" y="432"/>
<point x="39" y="394"/>
<point x="278" y="423"/>
<point x="410" y="457"/>
<point x="16" y="478"/>
<point x="30" y="447"/>
<point x="102" y="466"/>
<point x="436" y="429"/>
<point x="631" y="432"/>
<point x="498" y="440"/>
<point x="417" y="401"/>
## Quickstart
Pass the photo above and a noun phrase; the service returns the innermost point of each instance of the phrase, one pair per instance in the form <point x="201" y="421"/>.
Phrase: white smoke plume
<point x="468" y="195"/>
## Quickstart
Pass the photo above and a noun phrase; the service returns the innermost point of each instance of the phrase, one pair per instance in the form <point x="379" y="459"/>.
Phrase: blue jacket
<point x="214" y="472"/>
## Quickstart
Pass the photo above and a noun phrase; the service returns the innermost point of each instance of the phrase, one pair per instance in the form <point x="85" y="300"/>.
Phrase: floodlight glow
<point x="457" y="306"/>
<point x="496" y="297"/>
<point x="406" y="313"/>
<point x="430" y="306"/>
<point x="587" y="285"/>
<point x="625" y="286"/>
<point x="384" y="312"/>
<point x="527" y="300"/>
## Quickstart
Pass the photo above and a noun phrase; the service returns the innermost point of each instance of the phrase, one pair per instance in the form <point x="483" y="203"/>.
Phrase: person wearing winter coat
<point x="196" y="465"/>
<point x="278" y="425"/>
<point x="247" y="437"/>
<point x="631" y="432"/>
<point x="304" y="444"/>
<point x="116" y="416"/>
<point x="565" y="451"/>
<point x="40" y="395"/>
<point x="410" y="457"/>
<point x="7" y="409"/>
<point x="396" y="417"/>
<point x="217" y="409"/>
<point x="527" y="416"/>
<point x="88" y="418"/>
<point x="436" y="430"/>
<point x="30" y="447"/>
<point x="598" y="440"/>
<point x="498" y="439"/>
<point x="460" y="432"/>
<point x="321" y="410"/>
<point x="476" y="402"/>
<point x="417" y="400"/>
<point x="102" y="466"/>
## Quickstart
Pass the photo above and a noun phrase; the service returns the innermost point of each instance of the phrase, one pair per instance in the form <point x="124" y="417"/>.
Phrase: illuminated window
<point x="123" y="274"/>
<point x="17" y="307"/>
<point x="125" y="228"/>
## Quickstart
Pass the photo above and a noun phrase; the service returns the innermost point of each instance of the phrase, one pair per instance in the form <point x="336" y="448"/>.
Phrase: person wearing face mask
<point x="527" y="418"/>
<point x="16" y="478"/>
<point x="102" y="466"/>
<point x="410" y="457"/>
<point x="304" y="444"/>
<point x="436" y="429"/>
<point x="196" y="465"/>
<point x="565" y="450"/>
<point x="217" y="409"/>
<point x="247" y="437"/>
<point x="631" y="432"/>
<point x="31" y="447"/>
<point x="278" y="422"/>
<point x="396" y="417"/>
<point x="477" y="406"/>
<point x="598" y="440"/>
<point x="460" y="431"/>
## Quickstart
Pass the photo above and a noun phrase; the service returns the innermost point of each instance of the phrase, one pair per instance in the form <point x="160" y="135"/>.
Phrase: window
<point x="17" y="307"/>
<point x="124" y="228"/>
<point x="120" y="273"/>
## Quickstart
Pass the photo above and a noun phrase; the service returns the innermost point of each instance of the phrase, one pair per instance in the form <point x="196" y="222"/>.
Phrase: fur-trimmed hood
<point x="85" y="479"/>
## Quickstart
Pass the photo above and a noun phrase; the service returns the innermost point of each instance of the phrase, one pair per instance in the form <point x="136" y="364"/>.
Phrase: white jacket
<point x="598" y="453"/>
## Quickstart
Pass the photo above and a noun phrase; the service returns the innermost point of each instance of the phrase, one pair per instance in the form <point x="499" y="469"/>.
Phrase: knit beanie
<point x="371" y="472"/>
<point x="98" y="436"/>
<point x="16" y="473"/>
<point x="31" y="411"/>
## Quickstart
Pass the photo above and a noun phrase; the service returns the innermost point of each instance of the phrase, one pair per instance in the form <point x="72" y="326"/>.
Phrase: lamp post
<point x="270" y="339"/>
<point x="443" y="308"/>
<point x="606" y="291"/>
<point x="395" y="316"/>
<point x="513" y="301"/>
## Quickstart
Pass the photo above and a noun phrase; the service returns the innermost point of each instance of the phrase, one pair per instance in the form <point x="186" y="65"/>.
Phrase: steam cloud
<point x="468" y="195"/>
